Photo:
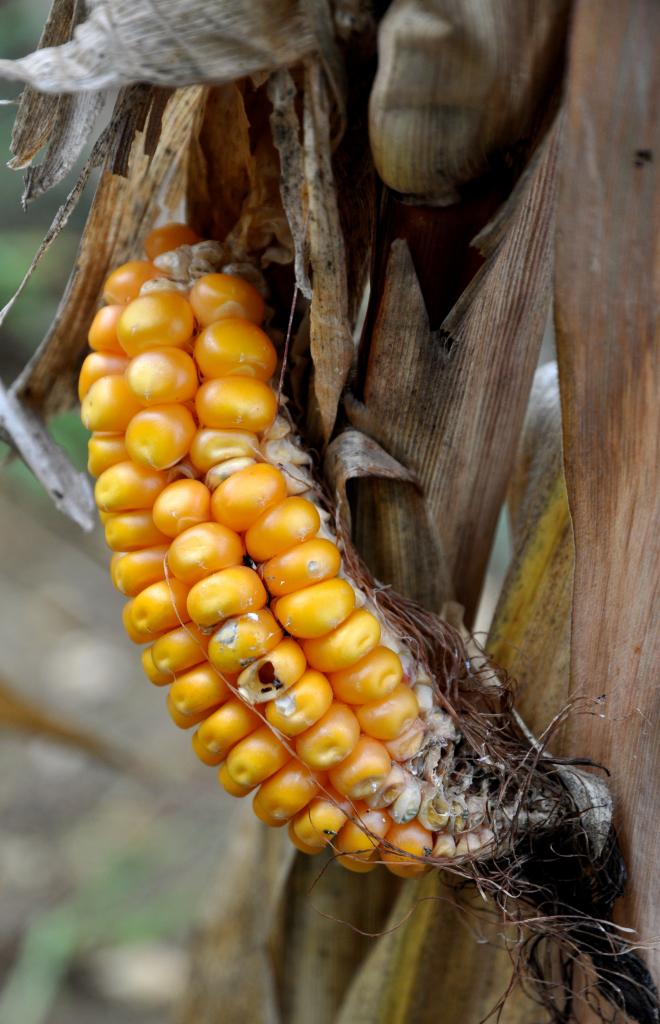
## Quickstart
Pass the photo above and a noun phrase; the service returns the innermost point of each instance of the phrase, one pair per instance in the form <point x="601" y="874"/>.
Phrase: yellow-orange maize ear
<point x="167" y="237"/>
<point x="132" y="571"/>
<point x="161" y="320"/>
<point x="409" y="839"/>
<point x="162" y="375"/>
<point x="227" y="593"/>
<point x="204" y="549"/>
<point x="241" y="640"/>
<point x="312" y="562"/>
<point x="235" y="347"/>
<point x="217" y="296"/>
<point x="285" y="793"/>
<point x="123" y="284"/>
<point x="182" y="504"/>
<point x="371" y="678"/>
<point x="346" y="644"/>
<point x="291" y="522"/>
<point x="301" y="706"/>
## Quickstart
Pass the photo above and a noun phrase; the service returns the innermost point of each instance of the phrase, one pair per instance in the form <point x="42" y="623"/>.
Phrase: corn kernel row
<point x="234" y="579"/>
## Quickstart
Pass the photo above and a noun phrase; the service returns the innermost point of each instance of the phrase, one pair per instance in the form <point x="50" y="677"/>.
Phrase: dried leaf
<point x="352" y="455"/>
<point x="69" y="490"/>
<point x="447" y="98"/>
<point x="170" y="44"/>
<point x="330" y="335"/>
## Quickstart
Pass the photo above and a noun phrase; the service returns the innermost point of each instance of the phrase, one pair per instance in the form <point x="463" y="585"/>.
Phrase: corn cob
<point x="298" y="690"/>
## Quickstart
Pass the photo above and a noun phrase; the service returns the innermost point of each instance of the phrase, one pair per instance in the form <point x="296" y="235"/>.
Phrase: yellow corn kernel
<point x="96" y="365"/>
<point x="180" y="649"/>
<point x="291" y="522"/>
<point x="229" y="592"/>
<point x="408" y="742"/>
<point x="240" y="500"/>
<point x="130" y="531"/>
<point x="318" y="823"/>
<point x="216" y="296"/>
<point x="132" y="571"/>
<point x="210" y="447"/>
<point x="285" y="793"/>
<point x="235" y="347"/>
<point x="159" y="320"/>
<point x="225" y="727"/>
<point x="242" y="640"/>
<point x="205" y="756"/>
<point x="203" y="549"/>
<point x="123" y="284"/>
<point x="371" y="678"/>
<point x="167" y="237"/>
<point x="243" y="402"/>
<point x="133" y="631"/>
<point x="302" y="705"/>
<point x="150" y="670"/>
<point x="200" y="689"/>
<point x="363" y="771"/>
<point x="360" y="867"/>
<point x="315" y="610"/>
<point x="162" y="375"/>
<point x="331" y="739"/>
<point x="183" y="721"/>
<point x="126" y="487"/>
<point x="298" y="843"/>
<point x="160" y="436"/>
<point x="182" y="504"/>
<point x="387" y="718"/>
<point x="312" y="562"/>
<point x="410" y="839"/>
<point x="348" y="643"/>
<point x="256" y="757"/>
<point x="360" y="837"/>
<point x="160" y="606"/>
<point x="268" y="678"/>
<point x="228" y="784"/>
<point x="102" y="336"/>
<point x="109" y="405"/>
<point x="103" y="451"/>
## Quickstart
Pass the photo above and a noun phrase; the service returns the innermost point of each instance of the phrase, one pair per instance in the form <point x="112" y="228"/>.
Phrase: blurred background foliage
<point x="103" y="869"/>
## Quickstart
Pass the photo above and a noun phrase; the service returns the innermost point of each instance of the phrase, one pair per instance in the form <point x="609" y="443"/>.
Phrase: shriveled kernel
<point x="302" y="705"/>
<point x="203" y="549"/>
<point x="363" y="771"/>
<point x="240" y="500"/>
<point x="241" y="402"/>
<point x="167" y="237"/>
<point x="102" y="335"/>
<point x="235" y="347"/>
<point x="97" y="365"/>
<point x="109" y="405"/>
<point x="132" y="571"/>
<point x="181" y="505"/>
<point x="361" y="836"/>
<point x="318" y="823"/>
<point x="160" y="436"/>
<point x="410" y="839"/>
<point x="228" y="784"/>
<point x="242" y="640"/>
<point x="160" y="606"/>
<point x="316" y="610"/>
<point x="180" y="649"/>
<point x="331" y="739"/>
<point x="130" y="531"/>
<point x="123" y="284"/>
<point x="285" y="793"/>
<point x="210" y="447"/>
<point x="408" y="742"/>
<point x="162" y="375"/>
<point x="218" y="474"/>
<point x="348" y="643"/>
<point x="256" y="758"/>
<point x="103" y="451"/>
<point x="226" y="726"/>
<point x="371" y="678"/>
<point x="270" y="676"/>
<point x="159" y="320"/>
<point x="216" y="296"/>
<point x="293" y="521"/>
<point x="150" y="670"/>
<point x="229" y="592"/>
<point x="387" y="718"/>
<point x="200" y="689"/>
<point x="126" y="487"/>
<point x="312" y="562"/>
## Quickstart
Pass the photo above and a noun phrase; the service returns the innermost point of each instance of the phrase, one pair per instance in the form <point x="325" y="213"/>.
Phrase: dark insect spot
<point x="266" y="673"/>
<point x="251" y="564"/>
